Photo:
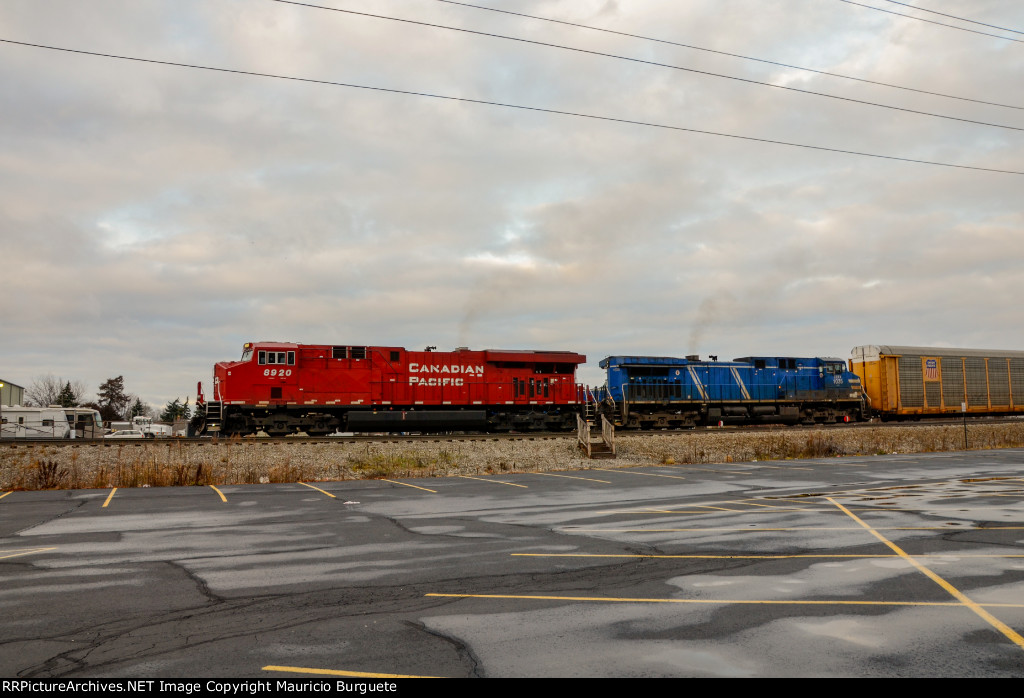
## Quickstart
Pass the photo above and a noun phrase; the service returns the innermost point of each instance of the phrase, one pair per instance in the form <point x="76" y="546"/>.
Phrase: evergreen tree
<point x="175" y="410"/>
<point x="113" y="399"/>
<point x="138" y="409"/>
<point x="67" y="397"/>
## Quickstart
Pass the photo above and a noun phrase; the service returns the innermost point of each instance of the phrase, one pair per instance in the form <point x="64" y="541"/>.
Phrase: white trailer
<point x="34" y="423"/>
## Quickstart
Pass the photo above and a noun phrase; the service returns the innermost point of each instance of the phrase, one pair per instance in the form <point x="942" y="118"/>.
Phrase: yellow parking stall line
<point x="396" y="482"/>
<point x="649" y="511"/>
<point x="222" y="497"/>
<point x="630" y="472"/>
<point x="640" y="556"/>
<point x="780" y="556"/>
<point x="499" y="482"/>
<point x="318" y="490"/>
<point x="577" y="477"/>
<point x="16" y="552"/>
<point x="704" y="469"/>
<point x="753" y="529"/>
<point x="787" y="507"/>
<point x="570" y="529"/>
<point x="751" y="465"/>
<point x="339" y="672"/>
<point x="1006" y="630"/>
<point x="786" y="602"/>
<point x="700" y="509"/>
<point x="109" y="497"/>
<point x="756" y="464"/>
<point x="5" y="494"/>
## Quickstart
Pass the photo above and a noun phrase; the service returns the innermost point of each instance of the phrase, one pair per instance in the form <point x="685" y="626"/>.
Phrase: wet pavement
<point x="896" y="565"/>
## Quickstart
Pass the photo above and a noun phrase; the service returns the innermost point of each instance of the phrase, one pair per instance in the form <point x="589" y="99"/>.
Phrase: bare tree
<point x="54" y="390"/>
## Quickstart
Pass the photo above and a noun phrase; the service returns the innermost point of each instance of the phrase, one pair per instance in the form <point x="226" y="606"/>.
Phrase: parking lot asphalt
<point x="893" y="565"/>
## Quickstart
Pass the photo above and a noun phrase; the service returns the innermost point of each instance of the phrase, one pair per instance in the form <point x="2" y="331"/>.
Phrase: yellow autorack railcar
<point x="916" y="381"/>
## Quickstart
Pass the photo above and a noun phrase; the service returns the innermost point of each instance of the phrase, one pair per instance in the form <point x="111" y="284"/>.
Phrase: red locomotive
<point x="283" y="388"/>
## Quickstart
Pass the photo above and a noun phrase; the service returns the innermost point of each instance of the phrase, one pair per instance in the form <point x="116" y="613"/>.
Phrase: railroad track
<point x="525" y="436"/>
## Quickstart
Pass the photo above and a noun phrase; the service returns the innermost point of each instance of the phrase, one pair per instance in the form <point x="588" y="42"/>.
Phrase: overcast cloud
<point x="154" y="218"/>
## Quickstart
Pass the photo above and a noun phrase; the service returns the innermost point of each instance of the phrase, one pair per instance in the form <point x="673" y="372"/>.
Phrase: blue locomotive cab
<point x="662" y="392"/>
<point x="809" y="378"/>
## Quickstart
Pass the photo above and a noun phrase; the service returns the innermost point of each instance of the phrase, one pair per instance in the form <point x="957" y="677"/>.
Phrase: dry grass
<point x="64" y="465"/>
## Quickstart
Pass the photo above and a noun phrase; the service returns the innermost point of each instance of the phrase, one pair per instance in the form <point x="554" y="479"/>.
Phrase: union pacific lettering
<point x="457" y="369"/>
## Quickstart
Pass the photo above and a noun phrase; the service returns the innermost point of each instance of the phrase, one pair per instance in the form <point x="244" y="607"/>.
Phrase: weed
<point x="48" y="475"/>
<point x="286" y="472"/>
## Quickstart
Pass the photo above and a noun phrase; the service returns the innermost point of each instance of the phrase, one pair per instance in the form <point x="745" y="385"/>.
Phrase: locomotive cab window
<point x="358" y="352"/>
<point x="339" y="352"/>
<point x="276" y="357"/>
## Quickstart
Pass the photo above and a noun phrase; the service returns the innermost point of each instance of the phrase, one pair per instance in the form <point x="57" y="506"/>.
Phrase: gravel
<point x="68" y="465"/>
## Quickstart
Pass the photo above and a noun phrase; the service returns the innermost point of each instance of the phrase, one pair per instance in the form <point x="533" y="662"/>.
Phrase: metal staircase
<point x="597" y="446"/>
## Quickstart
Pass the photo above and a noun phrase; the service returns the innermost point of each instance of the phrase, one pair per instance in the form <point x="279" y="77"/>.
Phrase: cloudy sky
<point x="154" y="217"/>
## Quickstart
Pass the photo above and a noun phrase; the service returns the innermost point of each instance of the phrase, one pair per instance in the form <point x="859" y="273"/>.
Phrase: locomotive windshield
<point x="247" y="354"/>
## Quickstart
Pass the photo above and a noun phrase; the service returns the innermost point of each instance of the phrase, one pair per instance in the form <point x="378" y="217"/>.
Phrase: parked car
<point x="125" y="434"/>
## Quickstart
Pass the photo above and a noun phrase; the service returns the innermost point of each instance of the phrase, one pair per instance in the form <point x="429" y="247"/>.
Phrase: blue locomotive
<point x="656" y="392"/>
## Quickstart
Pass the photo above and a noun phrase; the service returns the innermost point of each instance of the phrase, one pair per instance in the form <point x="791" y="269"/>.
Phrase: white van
<point x="147" y="427"/>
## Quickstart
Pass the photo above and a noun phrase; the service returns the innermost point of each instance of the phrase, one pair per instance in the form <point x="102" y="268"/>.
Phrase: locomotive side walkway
<point x="905" y="565"/>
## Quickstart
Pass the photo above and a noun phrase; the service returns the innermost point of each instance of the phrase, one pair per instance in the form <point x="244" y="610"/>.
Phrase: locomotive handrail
<point x="583" y="434"/>
<point x="607" y="434"/>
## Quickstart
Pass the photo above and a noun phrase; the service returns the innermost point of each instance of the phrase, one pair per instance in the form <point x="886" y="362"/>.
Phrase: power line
<point x="646" y="62"/>
<point x="509" y="106"/>
<point x="962" y="19"/>
<point x="931" y="21"/>
<point x="732" y="55"/>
